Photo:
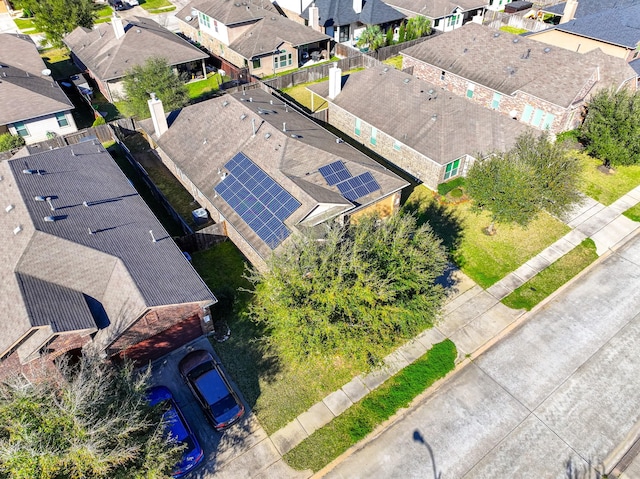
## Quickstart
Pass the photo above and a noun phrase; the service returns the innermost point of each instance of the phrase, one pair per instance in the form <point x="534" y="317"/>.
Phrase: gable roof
<point x="341" y="12"/>
<point x="432" y="121"/>
<point x="269" y="33"/>
<point x="590" y="7"/>
<point x="25" y="92"/>
<point x="110" y="58"/>
<point x="618" y="26"/>
<point x="510" y="63"/>
<point x="204" y="137"/>
<point x="53" y="271"/>
<point x="234" y="12"/>
<point x="435" y="8"/>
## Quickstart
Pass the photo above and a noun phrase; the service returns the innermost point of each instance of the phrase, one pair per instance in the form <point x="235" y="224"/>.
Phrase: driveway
<point x="554" y="399"/>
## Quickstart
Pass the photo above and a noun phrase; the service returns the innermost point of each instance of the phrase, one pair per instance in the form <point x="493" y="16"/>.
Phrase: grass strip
<point x="359" y="420"/>
<point x="550" y="279"/>
<point x="633" y="213"/>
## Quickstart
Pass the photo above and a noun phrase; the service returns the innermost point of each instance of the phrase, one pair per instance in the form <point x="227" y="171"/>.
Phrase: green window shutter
<point x="526" y="115"/>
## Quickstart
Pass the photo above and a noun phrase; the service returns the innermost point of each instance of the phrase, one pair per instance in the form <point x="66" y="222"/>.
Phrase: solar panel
<point x="334" y="173"/>
<point x="358" y="186"/>
<point x="261" y="202"/>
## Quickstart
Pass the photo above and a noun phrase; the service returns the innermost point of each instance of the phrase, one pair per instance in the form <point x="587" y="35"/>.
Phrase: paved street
<point x="560" y="392"/>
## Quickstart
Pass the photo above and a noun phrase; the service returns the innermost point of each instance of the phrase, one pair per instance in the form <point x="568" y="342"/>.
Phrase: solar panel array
<point x="334" y="173"/>
<point x="358" y="186"/>
<point x="261" y="202"/>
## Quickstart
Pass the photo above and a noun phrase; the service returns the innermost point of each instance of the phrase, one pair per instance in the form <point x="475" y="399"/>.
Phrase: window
<point x="526" y="114"/>
<point x="442" y="74"/>
<point x="215" y="26"/>
<point x="470" y="88"/>
<point x="537" y="117"/>
<point x="221" y="49"/>
<point x="548" y="121"/>
<point x="256" y="63"/>
<point x="62" y="119"/>
<point x="21" y="128"/>
<point x="374" y="136"/>
<point x="452" y="20"/>
<point x="344" y="34"/>
<point x="204" y="20"/>
<point x="495" y="103"/>
<point x="397" y="145"/>
<point x="451" y="169"/>
<point x="358" y="128"/>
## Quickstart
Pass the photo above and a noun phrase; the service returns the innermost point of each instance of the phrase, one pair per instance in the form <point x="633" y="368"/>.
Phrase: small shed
<point x="517" y="6"/>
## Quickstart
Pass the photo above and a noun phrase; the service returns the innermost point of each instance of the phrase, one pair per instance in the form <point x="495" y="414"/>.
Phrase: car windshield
<point x="175" y="425"/>
<point x="223" y="406"/>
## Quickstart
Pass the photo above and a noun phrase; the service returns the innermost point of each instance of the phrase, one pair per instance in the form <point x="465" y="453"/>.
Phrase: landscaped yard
<point x="633" y="213"/>
<point x="157" y="6"/>
<point x="514" y="30"/>
<point x="206" y="88"/>
<point x="484" y="258"/>
<point x="395" y="62"/>
<point x="606" y="186"/>
<point x="551" y="278"/>
<point x="26" y="25"/>
<point x="59" y="62"/>
<point x="104" y="14"/>
<point x="302" y="96"/>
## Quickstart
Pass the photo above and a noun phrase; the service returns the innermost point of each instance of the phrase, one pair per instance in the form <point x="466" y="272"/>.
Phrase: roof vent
<point x="547" y="50"/>
<point x="293" y="135"/>
<point x="496" y="35"/>
<point x="8" y="208"/>
<point x="406" y="80"/>
<point x="188" y="18"/>
<point x="46" y="72"/>
<point x="50" y="219"/>
<point x="243" y="116"/>
<point x="385" y="69"/>
<point x="267" y="136"/>
<point x="30" y="172"/>
<point x="516" y="40"/>
<point x="40" y="198"/>
<point x="17" y="229"/>
<point x="431" y="91"/>
<point x="434" y="117"/>
<point x="225" y="103"/>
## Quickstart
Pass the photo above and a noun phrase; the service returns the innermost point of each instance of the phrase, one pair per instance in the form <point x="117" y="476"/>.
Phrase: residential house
<point x="84" y="261"/>
<point x="498" y="5"/>
<point x="345" y="20"/>
<point x="32" y="104"/>
<point x="110" y="50"/>
<point x="250" y="36"/>
<point x="615" y="31"/>
<point x="570" y="9"/>
<point x="422" y="128"/>
<point x="542" y="86"/>
<point x="265" y="172"/>
<point x="445" y="15"/>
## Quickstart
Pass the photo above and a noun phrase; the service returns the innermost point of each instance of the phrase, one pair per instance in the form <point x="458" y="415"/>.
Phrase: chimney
<point x="118" y="27"/>
<point x="569" y="11"/>
<point x="335" y="81"/>
<point x="314" y="17"/>
<point x="357" y="6"/>
<point x="157" y="115"/>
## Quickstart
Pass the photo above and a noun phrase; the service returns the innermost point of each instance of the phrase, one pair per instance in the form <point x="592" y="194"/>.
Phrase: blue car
<point x="178" y="428"/>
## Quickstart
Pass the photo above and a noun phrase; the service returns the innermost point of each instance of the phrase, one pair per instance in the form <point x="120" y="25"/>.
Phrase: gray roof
<point x="269" y="33"/>
<point x="635" y="64"/>
<point x="110" y="58"/>
<point x="432" y="121"/>
<point x="341" y="12"/>
<point x="510" y="63"/>
<point x="25" y="92"/>
<point x="618" y="26"/>
<point x="204" y="137"/>
<point x="435" y="8"/>
<point x="234" y="12"/>
<point x="52" y="269"/>
<point x="590" y="7"/>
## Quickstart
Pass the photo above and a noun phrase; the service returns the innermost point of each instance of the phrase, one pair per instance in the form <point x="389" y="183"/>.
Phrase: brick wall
<point x="514" y="106"/>
<point x="420" y="166"/>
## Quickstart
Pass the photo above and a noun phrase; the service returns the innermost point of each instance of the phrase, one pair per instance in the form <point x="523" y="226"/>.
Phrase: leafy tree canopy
<point x="372" y="37"/>
<point x="56" y="18"/>
<point x="155" y="76"/>
<point x="535" y="175"/>
<point x="611" y="130"/>
<point x="352" y="295"/>
<point x="9" y="141"/>
<point x="417" y="27"/>
<point x="93" y="422"/>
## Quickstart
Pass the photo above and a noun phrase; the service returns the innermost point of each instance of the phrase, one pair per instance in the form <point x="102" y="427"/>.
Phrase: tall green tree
<point x="155" y="76"/>
<point x="372" y="37"/>
<point x="353" y="295"/>
<point x="56" y="18"/>
<point x="92" y="422"/>
<point x="417" y="27"/>
<point x="535" y="175"/>
<point x="611" y="130"/>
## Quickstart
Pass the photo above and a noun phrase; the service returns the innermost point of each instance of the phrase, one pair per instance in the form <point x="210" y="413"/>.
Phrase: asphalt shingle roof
<point x="435" y="8"/>
<point x="341" y="12"/>
<point x="590" y="7"/>
<point x="25" y="92"/>
<point x="432" y="121"/>
<point x="110" y="58"/>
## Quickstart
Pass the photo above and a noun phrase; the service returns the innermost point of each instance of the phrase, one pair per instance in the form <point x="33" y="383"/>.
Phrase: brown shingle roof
<point x="435" y="8"/>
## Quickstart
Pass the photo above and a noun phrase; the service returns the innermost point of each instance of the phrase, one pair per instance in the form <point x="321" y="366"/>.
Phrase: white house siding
<point x="38" y="128"/>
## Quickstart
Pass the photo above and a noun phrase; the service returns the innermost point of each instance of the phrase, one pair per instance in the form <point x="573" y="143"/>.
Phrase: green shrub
<point x="572" y="136"/>
<point x="99" y="121"/>
<point x="9" y="141"/>
<point x="445" y="188"/>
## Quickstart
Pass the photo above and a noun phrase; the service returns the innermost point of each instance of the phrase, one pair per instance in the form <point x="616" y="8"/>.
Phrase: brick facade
<point x="420" y="166"/>
<point x="512" y="105"/>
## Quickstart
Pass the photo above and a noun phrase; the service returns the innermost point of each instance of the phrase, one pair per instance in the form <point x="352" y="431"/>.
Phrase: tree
<point x="372" y="37"/>
<point x="155" y="76"/>
<point x="611" y="130"/>
<point x="417" y="27"/>
<point x="56" y="18"/>
<point x="9" y="141"/>
<point x="535" y="175"/>
<point x="402" y="33"/>
<point x="389" y="37"/>
<point x="352" y="295"/>
<point x="90" y="422"/>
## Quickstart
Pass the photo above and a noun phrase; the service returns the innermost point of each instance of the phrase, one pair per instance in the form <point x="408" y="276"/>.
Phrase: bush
<point x="444" y="188"/>
<point x="10" y="142"/>
<point x="99" y="121"/>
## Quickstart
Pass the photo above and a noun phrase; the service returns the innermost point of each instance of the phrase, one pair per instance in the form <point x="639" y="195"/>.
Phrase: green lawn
<point x="203" y="89"/>
<point x="514" y="30"/>
<point x="633" y="213"/>
<point x="551" y="278"/>
<point x="104" y="14"/>
<point x="395" y="62"/>
<point x="302" y="96"/>
<point x="359" y="420"/>
<point x="157" y="6"/>
<point x="59" y="62"/>
<point x="486" y="259"/>
<point x="607" y="187"/>
<point x="26" y="25"/>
